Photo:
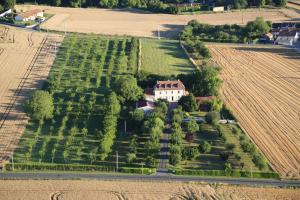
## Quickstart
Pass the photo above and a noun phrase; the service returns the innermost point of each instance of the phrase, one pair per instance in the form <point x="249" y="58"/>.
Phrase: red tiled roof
<point x="290" y="32"/>
<point x="30" y="13"/>
<point x="169" y="85"/>
<point x="201" y="99"/>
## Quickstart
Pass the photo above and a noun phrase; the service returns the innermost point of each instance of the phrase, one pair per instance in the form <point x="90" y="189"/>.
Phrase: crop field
<point x="79" y="79"/>
<point x="145" y="24"/>
<point x="164" y="57"/>
<point x="262" y="88"/>
<point x="26" y="59"/>
<point x="92" y="189"/>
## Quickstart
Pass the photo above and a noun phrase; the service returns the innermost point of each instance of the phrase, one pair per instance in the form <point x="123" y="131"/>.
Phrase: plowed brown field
<point x="25" y="64"/>
<point x="141" y="23"/>
<point x="121" y="190"/>
<point x="262" y="88"/>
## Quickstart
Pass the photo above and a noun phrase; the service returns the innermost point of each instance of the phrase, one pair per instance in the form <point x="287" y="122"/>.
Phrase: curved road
<point x="157" y="177"/>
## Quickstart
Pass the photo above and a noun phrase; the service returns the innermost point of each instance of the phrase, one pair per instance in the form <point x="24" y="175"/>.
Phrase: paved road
<point x="159" y="177"/>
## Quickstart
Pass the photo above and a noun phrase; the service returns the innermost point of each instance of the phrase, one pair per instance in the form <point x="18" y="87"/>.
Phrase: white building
<point x="29" y="15"/>
<point x="172" y="91"/>
<point x="288" y="36"/>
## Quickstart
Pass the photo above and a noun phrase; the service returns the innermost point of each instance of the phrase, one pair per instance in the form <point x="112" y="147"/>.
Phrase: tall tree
<point x="40" y="105"/>
<point x="257" y="28"/>
<point x="108" y="3"/>
<point x="188" y="103"/>
<point x="127" y="89"/>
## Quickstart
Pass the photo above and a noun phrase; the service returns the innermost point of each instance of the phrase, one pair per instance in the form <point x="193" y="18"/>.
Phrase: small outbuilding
<point x="29" y="15"/>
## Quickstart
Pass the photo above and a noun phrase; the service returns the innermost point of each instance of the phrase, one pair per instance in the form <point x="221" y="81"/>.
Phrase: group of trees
<point x="153" y="128"/>
<point x="7" y="4"/>
<point x="176" y="146"/>
<point x="195" y="32"/>
<point x="109" y="124"/>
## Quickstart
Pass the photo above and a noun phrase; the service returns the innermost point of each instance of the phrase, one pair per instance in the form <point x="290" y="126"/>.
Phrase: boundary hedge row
<point x="75" y="167"/>
<point x="234" y="173"/>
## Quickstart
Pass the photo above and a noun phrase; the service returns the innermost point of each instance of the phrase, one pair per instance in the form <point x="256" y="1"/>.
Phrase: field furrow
<point x="261" y="87"/>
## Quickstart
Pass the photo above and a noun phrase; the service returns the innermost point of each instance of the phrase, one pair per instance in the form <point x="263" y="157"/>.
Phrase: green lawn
<point x="164" y="57"/>
<point x="79" y="79"/>
<point x="212" y="160"/>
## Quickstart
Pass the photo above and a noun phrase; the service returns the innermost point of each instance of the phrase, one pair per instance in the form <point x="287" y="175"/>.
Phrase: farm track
<point x="262" y="88"/>
<point x="35" y="56"/>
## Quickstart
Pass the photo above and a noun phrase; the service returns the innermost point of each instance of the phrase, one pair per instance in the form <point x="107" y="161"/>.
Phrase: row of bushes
<point x="75" y="167"/>
<point x="232" y="173"/>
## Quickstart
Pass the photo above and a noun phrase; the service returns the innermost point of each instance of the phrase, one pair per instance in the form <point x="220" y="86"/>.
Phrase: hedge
<point x="234" y="173"/>
<point x="75" y="167"/>
<point x="137" y="170"/>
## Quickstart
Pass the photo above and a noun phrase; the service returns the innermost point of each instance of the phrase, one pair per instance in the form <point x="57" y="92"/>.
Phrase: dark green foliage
<point x="127" y="89"/>
<point x="40" y="105"/>
<point x="204" y="82"/>
<point x="204" y="147"/>
<point x="239" y="4"/>
<point x="175" y="154"/>
<point x="234" y="173"/>
<point x="7" y="4"/>
<point x="212" y="118"/>
<point x="192" y="126"/>
<point x="108" y="3"/>
<point x="130" y="157"/>
<point x="190" y="153"/>
<point x="188" y="103"/>
<point x="280" y="3"/>
<point x="75" y="167"/>
<point x="257" y="28"/>
<point x="177" y="115"/>
<point x="196" y="31"/>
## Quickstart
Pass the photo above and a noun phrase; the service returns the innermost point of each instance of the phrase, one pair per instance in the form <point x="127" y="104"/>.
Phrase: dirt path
<point x="25" y="64"/>
<point x="262" y="88"/>
<point x="140" y="23"/>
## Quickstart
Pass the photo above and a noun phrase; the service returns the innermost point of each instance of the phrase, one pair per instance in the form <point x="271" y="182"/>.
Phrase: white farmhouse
<point x="172" y="91"/>
<point x="288" y="36"/>
<point x="29" y="15"/>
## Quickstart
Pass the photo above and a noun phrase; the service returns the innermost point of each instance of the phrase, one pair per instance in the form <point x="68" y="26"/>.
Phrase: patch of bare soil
<point x="25" y="63"/>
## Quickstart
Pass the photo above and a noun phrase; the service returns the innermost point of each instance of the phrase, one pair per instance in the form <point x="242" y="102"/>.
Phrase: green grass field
<point x="79" y="79"/>
<point x="164" y="57"/>
<point x="212" y="160"/>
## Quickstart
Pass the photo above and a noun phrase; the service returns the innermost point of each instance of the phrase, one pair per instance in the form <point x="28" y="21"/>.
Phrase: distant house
<point x="172" y="91"/>
<point x="146" y="106"/>
<point x="29" y="15"/>
<point x="288" y="36"/>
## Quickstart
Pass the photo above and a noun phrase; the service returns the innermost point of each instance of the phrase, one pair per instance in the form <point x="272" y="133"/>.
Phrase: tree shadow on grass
<point x="172" y="31"/>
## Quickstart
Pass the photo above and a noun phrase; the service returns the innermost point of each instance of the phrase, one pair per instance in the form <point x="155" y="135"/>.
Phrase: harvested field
<point x="121" y="190"/>
<point x="262" y="88"/>
<point x="140" y="23"/>
<point x="25" y="63"/>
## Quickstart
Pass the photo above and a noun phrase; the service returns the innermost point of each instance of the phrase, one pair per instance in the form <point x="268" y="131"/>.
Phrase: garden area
<point x="206" y="139"/>
<point x="76" y="119"/>
<point x="164" y="57"/>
